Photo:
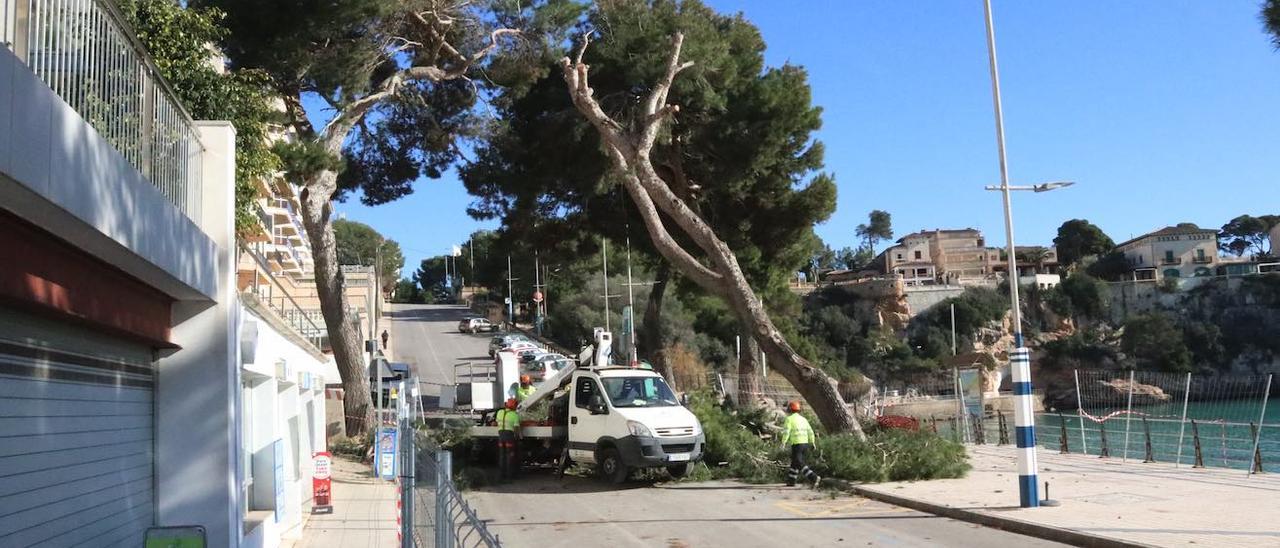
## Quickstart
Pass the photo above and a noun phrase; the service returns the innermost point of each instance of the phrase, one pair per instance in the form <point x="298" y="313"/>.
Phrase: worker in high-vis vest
<point x="525" y="389"/>
<point x="797" y="434"/>
<point x="508" y="435"/>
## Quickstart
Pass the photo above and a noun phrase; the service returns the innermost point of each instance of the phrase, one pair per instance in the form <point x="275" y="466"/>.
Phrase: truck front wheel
<point x="611" y="467"/>
<point x="678" y="471"/>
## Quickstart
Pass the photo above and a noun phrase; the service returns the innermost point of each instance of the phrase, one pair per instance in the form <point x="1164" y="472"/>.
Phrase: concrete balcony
<point x="1171" y="261"/>
<point x="1208" y="259"/>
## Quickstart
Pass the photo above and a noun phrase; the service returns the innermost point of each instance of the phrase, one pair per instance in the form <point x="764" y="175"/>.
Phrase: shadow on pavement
<point x="543" y="481"/>
<point x="870" y="517"/>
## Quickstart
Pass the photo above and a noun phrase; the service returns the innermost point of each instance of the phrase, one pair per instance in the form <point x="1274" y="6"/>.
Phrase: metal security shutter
<point x="76" y="431"/>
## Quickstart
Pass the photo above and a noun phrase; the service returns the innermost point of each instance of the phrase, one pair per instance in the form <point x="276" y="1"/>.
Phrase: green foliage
<point x="177" y="39"/>
<point x="890" y="455"/>
<point x="349" y="447"/>
<point x="1271" y="19"/>
<point x="878" y="227"/>
<point x="1078" y="239"/>
<point x="1111" y="267"/>
<point x="407" y="292"/>
<point x="742" y="445"/>
<point x="1086" y="296"/>
<point x="975" y="309"/>
<point x="359" y="244"/>
<point x="1084" y="349"/>
<point x="1246" y="232"/>
<point x="392" y="131"/>
<point x="743" y="136"/>
<point x="430" y="273"/>
<point x="1154" y="342"/>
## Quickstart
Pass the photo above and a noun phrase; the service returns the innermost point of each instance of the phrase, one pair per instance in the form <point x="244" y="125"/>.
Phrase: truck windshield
<point x="639" y="392"/>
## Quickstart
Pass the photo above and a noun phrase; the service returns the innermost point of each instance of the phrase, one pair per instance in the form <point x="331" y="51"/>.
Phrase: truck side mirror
<point x="597" y="408"/>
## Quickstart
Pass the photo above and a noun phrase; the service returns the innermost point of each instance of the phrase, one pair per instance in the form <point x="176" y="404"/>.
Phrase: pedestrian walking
<point x="385" y="336"/>
<point x="508" y="437"/>
<point x="800" y="437"/>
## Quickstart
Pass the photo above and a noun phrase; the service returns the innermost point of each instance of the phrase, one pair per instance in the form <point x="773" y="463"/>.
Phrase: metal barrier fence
<point x="86" y="53"/>
<point x="1219" y="421"/>
<point x="779" y="392"/>
<point x="1206" y="421"/>
<point x="433" y="513"/>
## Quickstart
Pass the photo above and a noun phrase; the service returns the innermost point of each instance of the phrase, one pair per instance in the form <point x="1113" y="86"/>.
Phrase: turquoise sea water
<point x="1223" y="427"/>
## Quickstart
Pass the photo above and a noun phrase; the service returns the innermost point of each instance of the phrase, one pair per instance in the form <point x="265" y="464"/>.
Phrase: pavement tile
<point x="364" y="511"/>
<point x="1156" y="504"/>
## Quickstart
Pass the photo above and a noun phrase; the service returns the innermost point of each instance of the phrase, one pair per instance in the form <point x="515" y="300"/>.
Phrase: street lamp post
<point x="1020" y="358"/>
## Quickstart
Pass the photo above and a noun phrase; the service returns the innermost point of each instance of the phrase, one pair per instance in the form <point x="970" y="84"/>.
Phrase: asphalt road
<point x="426" y="337"/>
<point x="541" y="511"/>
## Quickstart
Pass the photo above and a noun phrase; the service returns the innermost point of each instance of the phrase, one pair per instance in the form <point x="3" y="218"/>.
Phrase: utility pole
<point x="604" y="261"/>
<point x="537" y="294"/>
<point x="953" y="329"/>
<point x="511" y="299"/>
<point x="633" y="353"/>
<point x="377" y="291"/>
<point x="471" y="250"/>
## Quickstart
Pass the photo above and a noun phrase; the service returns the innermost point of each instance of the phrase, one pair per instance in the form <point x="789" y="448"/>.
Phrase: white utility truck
<point x="616" y="417"/>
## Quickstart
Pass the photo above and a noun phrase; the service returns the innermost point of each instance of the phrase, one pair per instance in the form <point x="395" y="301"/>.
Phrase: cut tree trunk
<point x="749" y="371"/>
<point x="651" y="331"/>
<point x="344" y="338"/>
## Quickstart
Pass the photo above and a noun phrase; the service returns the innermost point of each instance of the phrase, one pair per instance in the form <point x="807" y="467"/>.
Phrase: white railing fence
<point x="86" y="53"/>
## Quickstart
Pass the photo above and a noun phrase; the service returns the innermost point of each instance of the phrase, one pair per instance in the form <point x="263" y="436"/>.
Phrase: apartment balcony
<point x="108" y="78"/>
<point x="1171" y="261"/>
<point x="1208" y="259"/>
<point x="103" y="151"/>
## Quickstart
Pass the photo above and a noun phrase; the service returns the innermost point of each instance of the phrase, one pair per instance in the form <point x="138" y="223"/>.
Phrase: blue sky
<point x="1163" y="112"/>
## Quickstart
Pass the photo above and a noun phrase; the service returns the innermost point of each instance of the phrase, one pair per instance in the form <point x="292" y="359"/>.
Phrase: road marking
<point x="834" y="508"/>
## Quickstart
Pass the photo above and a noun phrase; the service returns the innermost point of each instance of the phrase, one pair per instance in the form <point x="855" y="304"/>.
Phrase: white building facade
<point x="123" y="354"/>
<point x="1181" y="251"/>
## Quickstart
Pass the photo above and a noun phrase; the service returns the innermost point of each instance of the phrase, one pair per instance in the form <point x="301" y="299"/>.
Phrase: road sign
<point x="537" y="296"/>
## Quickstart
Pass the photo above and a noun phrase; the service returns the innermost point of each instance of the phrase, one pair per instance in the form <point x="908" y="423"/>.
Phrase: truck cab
<point x="626" y="418"/>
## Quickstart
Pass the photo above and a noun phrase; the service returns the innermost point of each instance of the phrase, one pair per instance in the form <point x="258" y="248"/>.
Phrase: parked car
<point x="476" y="325"/>
<point x="542" y="366"/>
<point x="500" y="341"/>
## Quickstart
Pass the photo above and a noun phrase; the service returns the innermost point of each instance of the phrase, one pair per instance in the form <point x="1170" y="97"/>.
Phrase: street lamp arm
<point x="1041" y="187"/>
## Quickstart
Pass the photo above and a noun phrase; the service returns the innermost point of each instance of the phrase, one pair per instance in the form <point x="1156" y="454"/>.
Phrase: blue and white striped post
<point x="1024" y="422"/>
<point x="1020" y="358"/>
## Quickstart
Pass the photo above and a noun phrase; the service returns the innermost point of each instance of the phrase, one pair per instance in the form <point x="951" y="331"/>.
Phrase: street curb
<point x="1046" y="532"/>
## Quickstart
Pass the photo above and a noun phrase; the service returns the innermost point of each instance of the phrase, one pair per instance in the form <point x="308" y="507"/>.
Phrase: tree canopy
<point x="742" y="153"/>
<point x="178" y="40"/>
<point x="1271" y="19"/>
<point x="360" y="244"/>
<point x="1078" y="239"/>
<point x="1246" y="232"/>
<point x="878" y="227"/>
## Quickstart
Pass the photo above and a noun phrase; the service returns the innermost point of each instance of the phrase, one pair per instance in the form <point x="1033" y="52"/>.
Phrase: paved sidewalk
<point x="364" y="511"/>
<point x="1134" y="503"/>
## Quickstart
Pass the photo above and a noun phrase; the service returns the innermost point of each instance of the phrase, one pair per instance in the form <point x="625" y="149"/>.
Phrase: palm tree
<point x="1037" y="255"/>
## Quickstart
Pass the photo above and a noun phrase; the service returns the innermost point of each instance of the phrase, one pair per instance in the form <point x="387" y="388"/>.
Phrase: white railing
<point x="85" y="52"/>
